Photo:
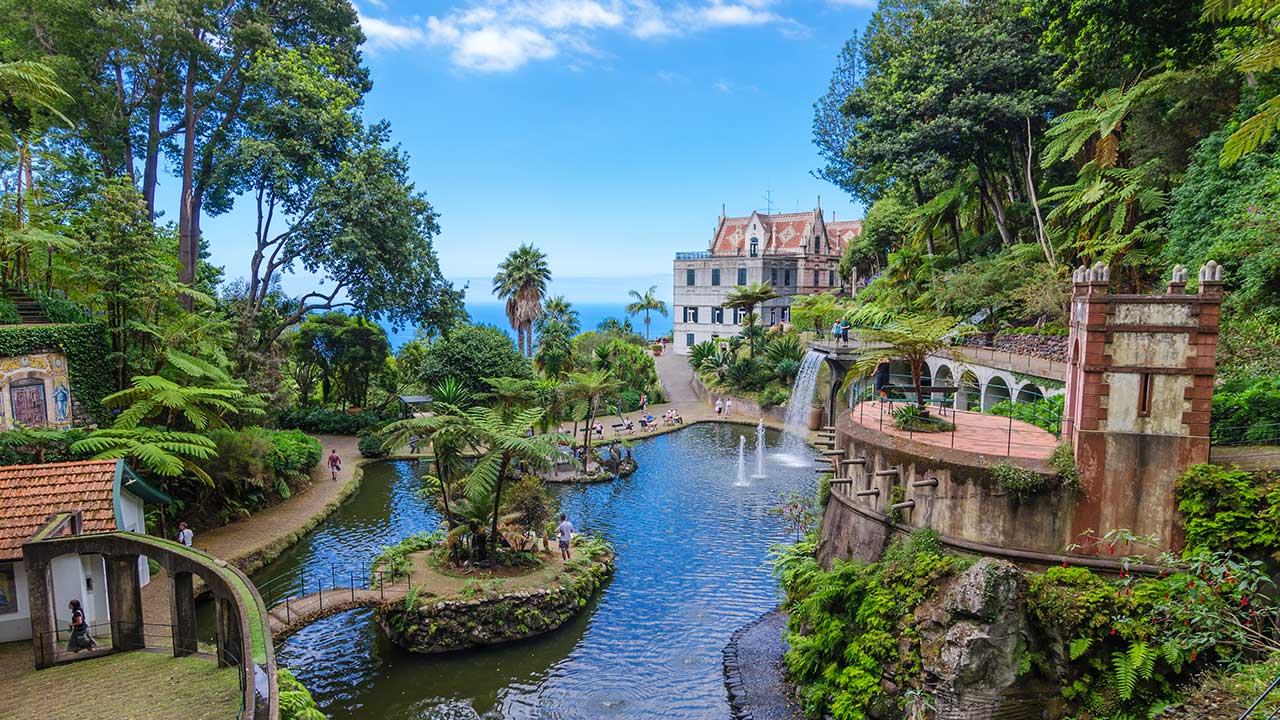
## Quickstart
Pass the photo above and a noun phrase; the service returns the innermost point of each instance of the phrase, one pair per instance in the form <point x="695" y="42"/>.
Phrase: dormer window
<point x="817" y="244"/>
<point x="755" y="246"/>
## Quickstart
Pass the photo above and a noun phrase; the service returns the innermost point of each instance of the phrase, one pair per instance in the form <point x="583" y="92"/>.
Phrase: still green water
<point x="691" y="568"/>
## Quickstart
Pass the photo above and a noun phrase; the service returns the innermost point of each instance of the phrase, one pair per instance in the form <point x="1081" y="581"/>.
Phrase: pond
<point x="691" y="568"/>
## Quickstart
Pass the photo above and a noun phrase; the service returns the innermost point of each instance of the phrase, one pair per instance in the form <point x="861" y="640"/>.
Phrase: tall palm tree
<point x="522" y="281"/>
<point x="557" y="309"/>
<point x="643" y="304"/>
<point x="748" y="297"/>
<point x="912" y="338"/>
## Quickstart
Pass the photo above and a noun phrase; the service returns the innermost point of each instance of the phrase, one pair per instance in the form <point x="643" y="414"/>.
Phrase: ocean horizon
<point x="589" y="315"/>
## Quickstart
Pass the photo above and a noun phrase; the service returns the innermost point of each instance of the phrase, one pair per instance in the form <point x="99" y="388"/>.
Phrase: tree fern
<point x="1079" y="647"/>
<point x="1138" y="663"/>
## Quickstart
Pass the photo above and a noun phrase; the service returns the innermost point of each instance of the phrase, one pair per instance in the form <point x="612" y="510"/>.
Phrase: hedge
<point x="87" y="351"/>
<point x="326" y="421"/>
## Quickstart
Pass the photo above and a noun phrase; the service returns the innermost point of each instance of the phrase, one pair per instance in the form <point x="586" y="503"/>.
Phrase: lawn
<point x="129" y="686"/>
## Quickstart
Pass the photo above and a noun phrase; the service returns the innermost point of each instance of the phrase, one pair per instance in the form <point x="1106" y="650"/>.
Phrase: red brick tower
<point x="1138" y="396"/>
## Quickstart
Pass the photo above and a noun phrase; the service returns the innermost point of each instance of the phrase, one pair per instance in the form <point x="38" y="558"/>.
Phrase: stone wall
<point x="1049" y="347"/>
<point x="435" y="626"/>
<point x="742" y="407"/>
<point x="965" y="502"/>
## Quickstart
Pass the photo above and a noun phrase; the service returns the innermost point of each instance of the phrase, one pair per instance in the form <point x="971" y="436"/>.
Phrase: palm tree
<point x="26" y="84"/>
<point x="522" y="281"/>
<point x="912" y="338"/>
<point x="747" y="297"/>
<point x="591" y="387"/>
<point x="643" y="304"/>
<point x="557" y="309"/>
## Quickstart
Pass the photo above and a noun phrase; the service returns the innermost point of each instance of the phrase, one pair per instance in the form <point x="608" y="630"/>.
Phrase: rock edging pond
<point x="426" y="624"/>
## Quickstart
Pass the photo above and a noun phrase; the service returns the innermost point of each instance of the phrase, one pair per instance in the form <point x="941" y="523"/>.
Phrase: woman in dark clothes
<point x="80" y="637"/>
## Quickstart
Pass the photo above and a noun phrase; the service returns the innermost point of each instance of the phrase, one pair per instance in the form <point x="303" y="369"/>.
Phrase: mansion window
<point x="773" y="276"/>
<point x="688" y="276"/>
<point x="742" y="276"/>
<point x="717" y="315"/>
<point x="715" y="276"/>
<point x="691" y="314"/>
<point x="786" y="277"/>
<point x="688" y="339"/>
<point x="831" y="278"/>
<point x="755" y="246"/>
<point x="815" y="278"/>
<point x="817" y="246"/>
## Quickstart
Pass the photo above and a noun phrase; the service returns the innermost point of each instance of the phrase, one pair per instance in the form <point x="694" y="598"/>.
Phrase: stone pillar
<point x="124" y="597"/>
<point x="182" y="608"/>
<point x="44" y="641"/>
<point x="230" y="650"/>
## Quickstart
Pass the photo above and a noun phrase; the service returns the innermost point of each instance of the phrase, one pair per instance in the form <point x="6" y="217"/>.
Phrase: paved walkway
<point x="676" y="376"/>
<point x="975" y="432"/>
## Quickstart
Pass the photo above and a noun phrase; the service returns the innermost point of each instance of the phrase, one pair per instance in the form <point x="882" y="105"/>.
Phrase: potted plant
<point x="657" y="349"/>
<point x="815" y="413"/>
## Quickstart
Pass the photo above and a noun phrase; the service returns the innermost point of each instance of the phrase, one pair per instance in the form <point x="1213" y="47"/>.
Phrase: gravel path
<point x="753" y="671"/>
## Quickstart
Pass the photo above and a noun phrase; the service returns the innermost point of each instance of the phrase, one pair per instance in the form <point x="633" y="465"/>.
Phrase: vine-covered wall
<point x="88" y="360"/>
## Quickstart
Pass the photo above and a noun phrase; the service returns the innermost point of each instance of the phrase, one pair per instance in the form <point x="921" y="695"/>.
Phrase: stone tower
<point x="1138" y="396"/>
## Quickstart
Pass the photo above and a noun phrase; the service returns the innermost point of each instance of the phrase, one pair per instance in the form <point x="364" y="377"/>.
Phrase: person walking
<point x="185" y="536"/>
<point x="335" y="463"/>
<point x="719" y="406"/>
<point x="728" y="407"/>
<point x="80" y="638"/>
<point x="835" y="331"/>
<point x="844" y="331"/>
<point x="644" y="401"/>
<point x="565" y="532"/>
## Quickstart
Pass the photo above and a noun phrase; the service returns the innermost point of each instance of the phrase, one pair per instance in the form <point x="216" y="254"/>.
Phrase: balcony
<point x="693" y="255"/>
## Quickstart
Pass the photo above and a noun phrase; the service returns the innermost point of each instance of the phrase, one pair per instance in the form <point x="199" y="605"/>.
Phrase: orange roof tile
<point x="780" y="234"/>
<point x="29" y="494"/>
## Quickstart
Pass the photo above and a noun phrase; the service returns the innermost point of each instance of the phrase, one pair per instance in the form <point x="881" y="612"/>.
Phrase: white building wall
<point x="16" y="625"/>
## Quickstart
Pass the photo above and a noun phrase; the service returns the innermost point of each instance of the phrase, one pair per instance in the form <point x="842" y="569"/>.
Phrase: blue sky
<point x="608" y="133"/>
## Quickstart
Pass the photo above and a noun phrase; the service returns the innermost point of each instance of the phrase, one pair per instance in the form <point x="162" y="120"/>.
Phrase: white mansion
<point x="796" y="253"/>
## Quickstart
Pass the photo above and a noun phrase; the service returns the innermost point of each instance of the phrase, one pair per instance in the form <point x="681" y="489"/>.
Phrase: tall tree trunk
<point x="187" y="241"/>
<point x="991" y="194"/>
<point x="497" y="505"/>
<point x="1035" y="202"/>
<point x="151" y="163"/>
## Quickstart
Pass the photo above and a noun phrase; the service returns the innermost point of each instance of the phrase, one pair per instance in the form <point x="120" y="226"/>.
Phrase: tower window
<point x="715" y="276"/>
<point x="1144" y="395"/>
<point x="742" y="276"/>
<point x="755" y="246"/>
<point x="688" y="276"/>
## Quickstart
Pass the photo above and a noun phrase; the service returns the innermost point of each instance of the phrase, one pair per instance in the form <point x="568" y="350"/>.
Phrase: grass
<point x="129" y="686"/>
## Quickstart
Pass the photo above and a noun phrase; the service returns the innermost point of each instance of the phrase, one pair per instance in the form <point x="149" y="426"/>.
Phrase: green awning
<point x="139" y="487"/>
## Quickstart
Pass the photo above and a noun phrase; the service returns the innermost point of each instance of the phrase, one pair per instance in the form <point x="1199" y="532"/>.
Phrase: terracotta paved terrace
<point x="975" y="432"/>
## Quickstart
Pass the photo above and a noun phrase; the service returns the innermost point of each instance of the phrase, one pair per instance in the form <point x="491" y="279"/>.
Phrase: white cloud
<point x="721" y="86"/>
<point x="381" y="34"/>
<point x="504" y="35"/>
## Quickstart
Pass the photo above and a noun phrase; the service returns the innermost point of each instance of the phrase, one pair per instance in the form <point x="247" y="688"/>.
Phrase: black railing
<point x="336" y="583"/>
<point x="1274" y="687"/>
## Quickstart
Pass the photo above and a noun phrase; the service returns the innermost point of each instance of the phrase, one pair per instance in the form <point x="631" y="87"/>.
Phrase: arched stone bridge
<point x="243" y="637"/>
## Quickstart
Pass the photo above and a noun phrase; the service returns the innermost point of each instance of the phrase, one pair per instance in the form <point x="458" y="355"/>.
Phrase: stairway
<point x="29" y="312"/>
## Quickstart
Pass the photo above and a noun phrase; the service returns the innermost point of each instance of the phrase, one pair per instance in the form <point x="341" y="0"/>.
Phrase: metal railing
<point x="1240" y="435"/>
<point x="335" y="584"/>
<point x="693" y="255"/>
<point x="873" y="411"/>
<point x="1248" y="714"/>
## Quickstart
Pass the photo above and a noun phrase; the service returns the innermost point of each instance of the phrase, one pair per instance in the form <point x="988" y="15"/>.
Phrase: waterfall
<point x="796" y="425"/>
<point x="759" y="451"/>
<point x="742" y="462"/>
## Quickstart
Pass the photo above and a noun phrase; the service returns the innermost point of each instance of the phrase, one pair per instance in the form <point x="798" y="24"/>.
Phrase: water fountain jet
<point x="742" y="462"/>
<point x="759" y="451"/>
<point x="796" y="423"/>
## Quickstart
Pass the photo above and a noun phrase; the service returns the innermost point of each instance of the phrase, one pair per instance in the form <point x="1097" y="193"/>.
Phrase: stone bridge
<point x="294" y="613"/>
<point x="242" y="624"/>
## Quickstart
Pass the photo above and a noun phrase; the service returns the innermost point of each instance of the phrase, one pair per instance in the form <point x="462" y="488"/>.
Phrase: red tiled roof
<point x="780" y="234"/>
<point x="29" y="494"/>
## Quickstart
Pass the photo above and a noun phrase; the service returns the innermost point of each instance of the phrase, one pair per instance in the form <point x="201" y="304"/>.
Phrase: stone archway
<point x="1029" y="392"/>
<point x="995" y="392"/>
<point x="970" y="393"/>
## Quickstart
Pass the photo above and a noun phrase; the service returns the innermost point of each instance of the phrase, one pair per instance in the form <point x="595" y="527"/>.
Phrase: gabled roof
<point x="780" y="233"/>
<point x="31" y="494"/>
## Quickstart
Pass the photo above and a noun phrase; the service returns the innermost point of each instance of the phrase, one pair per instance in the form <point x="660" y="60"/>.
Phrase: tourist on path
<point x="565" y="531"/>
<point x="719" y="407"/>
<point x="644" y="402"/>
<point x="728" y="407"/>
<point x="185" y="536"/>
<point x="844" y="331"/>
<point x="835" y="331"/>
<point x="413" y="444"/>
<point x="80" y="637"/>
<point x="335" y="463"/>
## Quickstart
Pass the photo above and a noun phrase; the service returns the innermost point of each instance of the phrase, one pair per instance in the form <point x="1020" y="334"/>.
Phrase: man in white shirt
<point x="185" y="536"/>
<point x="565" y="531"/>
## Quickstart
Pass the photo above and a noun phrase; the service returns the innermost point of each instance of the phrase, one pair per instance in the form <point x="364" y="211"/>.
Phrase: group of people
<point x="840" y="331"/>
<point x="724" y="407"/>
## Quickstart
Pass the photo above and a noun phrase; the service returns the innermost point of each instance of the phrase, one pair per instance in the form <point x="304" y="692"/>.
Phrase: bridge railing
<point x="332" y="583"/>
<point x="1256" y="710"/>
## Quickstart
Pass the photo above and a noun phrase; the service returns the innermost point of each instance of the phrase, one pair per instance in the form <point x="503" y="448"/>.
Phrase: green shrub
<point x="253" y="468"/>
<point x="1230" y="509"/>
<point x="1020" y="483"/>
<point x="1054" y="329"/>
<point x="327" y="421"/>
<point x="774" y="394"/>
<point x="1063" y="462"/>
<point x="1044" y="413"/>
<point x="911" y="418"/>
<point x="1246" y="412"/>
<point x="630" y="400"/>
<point x="61" y="310"/>
<point x="370" y="445"/>
<point x="296" y="702"/>
<point x="8" y="312"/>
<point x="393" y="561"/>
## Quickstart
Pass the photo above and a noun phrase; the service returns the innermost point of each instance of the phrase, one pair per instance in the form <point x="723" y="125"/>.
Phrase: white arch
<point x="995" y="391"/>
<point x="1029" y="392"/>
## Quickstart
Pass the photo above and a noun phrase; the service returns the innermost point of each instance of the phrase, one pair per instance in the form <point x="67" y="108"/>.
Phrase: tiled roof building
<point x="796" y="253"/>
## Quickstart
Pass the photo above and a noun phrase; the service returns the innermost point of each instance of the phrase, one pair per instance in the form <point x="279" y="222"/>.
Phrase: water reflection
<point x="691" y="550"/>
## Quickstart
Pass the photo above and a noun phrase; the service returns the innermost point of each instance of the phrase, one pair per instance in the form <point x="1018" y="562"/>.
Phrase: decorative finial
<point x="1211" y="272"/>
<point x="1179" y="275"/>
<point x="1080" y="274"/>
<point x="1099" y="272"/>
